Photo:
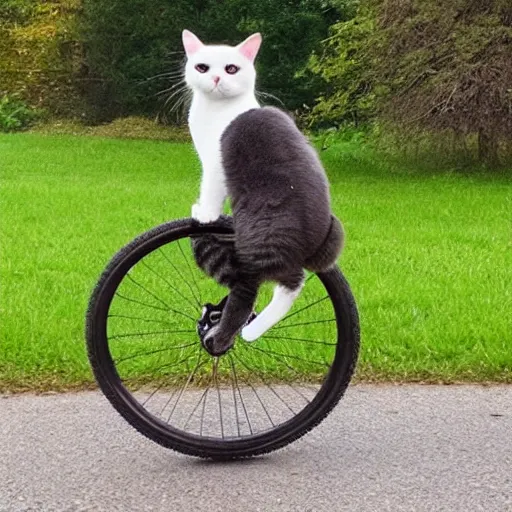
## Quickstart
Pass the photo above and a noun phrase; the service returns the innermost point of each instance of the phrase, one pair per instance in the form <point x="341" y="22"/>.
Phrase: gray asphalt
<point x="410" y="448"/>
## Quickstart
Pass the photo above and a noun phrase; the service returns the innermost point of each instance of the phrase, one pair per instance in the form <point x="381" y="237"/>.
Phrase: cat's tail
<point x="325" y="257"/>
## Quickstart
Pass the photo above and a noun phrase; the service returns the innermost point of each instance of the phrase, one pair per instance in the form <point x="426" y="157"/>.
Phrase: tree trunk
<point x="488" y="148"/>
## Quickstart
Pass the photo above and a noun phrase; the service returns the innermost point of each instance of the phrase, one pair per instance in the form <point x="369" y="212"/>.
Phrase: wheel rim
<point x="163" y="373"/>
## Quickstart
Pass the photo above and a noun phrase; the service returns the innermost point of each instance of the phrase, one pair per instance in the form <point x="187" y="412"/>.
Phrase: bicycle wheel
<point x="146" y="354"/>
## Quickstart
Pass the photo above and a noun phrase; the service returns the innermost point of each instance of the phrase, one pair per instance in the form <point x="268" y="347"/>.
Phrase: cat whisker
<point x="172" y="88"/>
<point x="173" y="95"/>
<point x="180" y="86"/>
<point x="181" y="102"/>
<point x="268" y="95"/>
<point x="170" y="72"/>
<point x="178" y="110"/>
<point x="175" y="59"/>
<point x="164" y="76"/>
<point x="184" y="95"/>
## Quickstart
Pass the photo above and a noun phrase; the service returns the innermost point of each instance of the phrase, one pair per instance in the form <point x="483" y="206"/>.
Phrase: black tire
<point x="107" y="377"/>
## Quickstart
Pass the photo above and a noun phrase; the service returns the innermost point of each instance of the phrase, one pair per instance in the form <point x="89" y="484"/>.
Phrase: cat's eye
<point x="231" y="69"/>
<point x="202" y="68"/>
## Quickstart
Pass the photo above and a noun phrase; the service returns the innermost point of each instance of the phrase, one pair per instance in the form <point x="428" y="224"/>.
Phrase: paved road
<point x="385" y="448"/>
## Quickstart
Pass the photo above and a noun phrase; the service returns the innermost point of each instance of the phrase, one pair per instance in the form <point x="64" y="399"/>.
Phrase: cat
<point x="222" y="79"/>
<point x="277" y="186"/>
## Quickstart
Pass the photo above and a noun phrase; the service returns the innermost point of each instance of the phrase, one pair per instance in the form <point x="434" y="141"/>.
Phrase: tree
<point x="434" y="66"/>
<point x="291" y="31"/>
<point x="344" y="64"/>
<point x="125" y="44"/>
<point x="38" y="53"/>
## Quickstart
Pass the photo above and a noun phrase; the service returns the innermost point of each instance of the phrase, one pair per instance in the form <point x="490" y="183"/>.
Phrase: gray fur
<point x="281" y="212"/>
<point x="216" y="255"/>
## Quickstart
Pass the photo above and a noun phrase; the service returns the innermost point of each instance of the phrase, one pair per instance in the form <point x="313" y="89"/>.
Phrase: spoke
<point x="186" y="315"/>
<point x="264" y="382"/>
<point x="171" y="365"/>
<point x="260" y="401"/>
<point x="234" y="396"/>
<point x="181" y="276"/>
<point x="241" y="397"/>
<point x="190" y="377"/>
<point x="198" y="404"/>
<point x="305" y="307"/>
<point x="154" y="307"/>
<point x="215" y="368"/>
<point x="309" y="279"/>
<point x="307" y="400"/>
<point x="149" y="292"/>
<point x="252" y="347"/>
<point x="316" y="342"/>
<point x="290" y="367"/>
<point x="172" y="287"/>
<point x="204" y="406"/>
<point x="191" y="272"/>
<point x="168" y="402"/>
<point x="304" y="323"/>
<point x="152" y="394"/>
<point x="141" y="303"/>
<point x="152" y="320"/>
<point x="151" y="333"/>
<point x="138" y="354"/>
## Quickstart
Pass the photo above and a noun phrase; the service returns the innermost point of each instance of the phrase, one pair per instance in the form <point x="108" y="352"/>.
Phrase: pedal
<point x="211" y="316"/>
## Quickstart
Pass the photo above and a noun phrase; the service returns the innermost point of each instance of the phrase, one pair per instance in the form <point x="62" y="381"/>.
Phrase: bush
<point x="426" y="67"/>
<point x="125" y="78"/>
<point x="40" y="54"/>
<point x="133" y="127"/>
<point x="15" y="115"/>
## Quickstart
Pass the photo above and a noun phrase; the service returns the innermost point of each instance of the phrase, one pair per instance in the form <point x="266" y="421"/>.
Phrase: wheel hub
<point x="211" y="317"/>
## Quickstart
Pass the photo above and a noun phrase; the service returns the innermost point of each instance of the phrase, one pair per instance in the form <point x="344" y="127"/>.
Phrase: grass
<point x="428" y="256"/>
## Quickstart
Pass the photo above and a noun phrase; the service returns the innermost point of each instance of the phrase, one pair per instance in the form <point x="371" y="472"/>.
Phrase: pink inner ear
<point x="249" y="48"/>
<point x="191" y="42"/>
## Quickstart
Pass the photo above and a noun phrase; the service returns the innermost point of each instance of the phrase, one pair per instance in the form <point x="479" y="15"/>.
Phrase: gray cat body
<point x="281" y="215"/>
<point x="279" y="192"/>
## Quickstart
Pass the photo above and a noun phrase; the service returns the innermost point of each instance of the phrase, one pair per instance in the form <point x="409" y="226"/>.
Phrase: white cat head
<point x="220" y="72"/>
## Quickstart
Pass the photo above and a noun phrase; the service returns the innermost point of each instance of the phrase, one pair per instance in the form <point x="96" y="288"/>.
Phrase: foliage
<point x="451" y="67"/>
<point x="16" y="11"/>
<point x="128" y="51"/>
<point x="343" y="64"/>
<point x="39" y="53"/>
<point x="15" y="115"/>
<point x="291" y="31"/>
<point x="133" y="127"/>
<point x="424" y="65"/>
<point x="107" y="58"/>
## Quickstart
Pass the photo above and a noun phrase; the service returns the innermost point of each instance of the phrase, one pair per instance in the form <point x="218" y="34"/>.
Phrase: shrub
<point x="15" y="115"/>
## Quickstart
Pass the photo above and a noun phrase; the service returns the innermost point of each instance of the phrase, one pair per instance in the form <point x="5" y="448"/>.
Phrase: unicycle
<point x="143" y="333"/>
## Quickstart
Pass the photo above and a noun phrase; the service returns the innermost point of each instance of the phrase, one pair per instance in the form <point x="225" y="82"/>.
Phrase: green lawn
<point x="428" y="256"/>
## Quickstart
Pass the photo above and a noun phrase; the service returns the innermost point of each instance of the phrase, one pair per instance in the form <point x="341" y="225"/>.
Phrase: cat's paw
<point x="251" y="332"/>
<point x="204" y="215"/>
<point x="249" y="335"/>
<point x="216" y="345"/>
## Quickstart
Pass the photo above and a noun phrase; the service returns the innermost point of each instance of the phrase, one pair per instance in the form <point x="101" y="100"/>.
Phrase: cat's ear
<point x="249" y="48"/>
<point x="191" y="42"/>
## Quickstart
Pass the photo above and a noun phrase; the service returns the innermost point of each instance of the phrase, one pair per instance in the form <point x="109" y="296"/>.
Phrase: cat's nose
<point x="216" y="79"/>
